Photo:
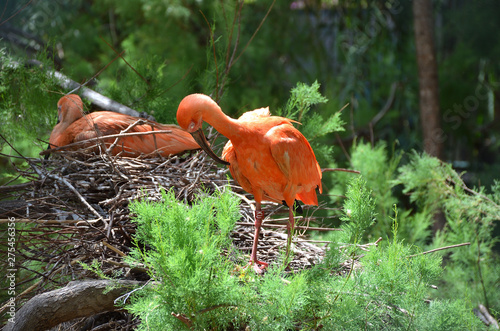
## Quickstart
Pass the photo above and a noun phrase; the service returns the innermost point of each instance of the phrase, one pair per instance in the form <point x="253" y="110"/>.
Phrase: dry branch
<point x="440" y="249"/>
<point x="297" y="227"/>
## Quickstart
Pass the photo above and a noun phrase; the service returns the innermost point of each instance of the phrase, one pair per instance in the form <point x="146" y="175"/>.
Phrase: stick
<point x="138" y="122"/>
<point x="340" y="169"/>
<point x="440" y="249"/>
<point x="277" y="226"/>
<point x="60" y="222"/>
<point x="113" y="248"/>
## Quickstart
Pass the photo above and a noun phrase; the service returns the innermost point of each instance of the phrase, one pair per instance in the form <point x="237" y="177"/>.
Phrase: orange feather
<point x="74" y="126"/>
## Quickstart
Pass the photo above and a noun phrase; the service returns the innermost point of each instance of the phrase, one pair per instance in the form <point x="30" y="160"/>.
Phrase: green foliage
<point x="470" y="215"/>
<point x="191" y="262"/>
<point x="302" y="98"/>
<point x="359" y="210"/>
<point x="28" y="111"/>
<point x="27" y="107"/>
<point x="432" y="185"/>
<point x="96" y="268"/>
<point x="183" y="247"/>
<point x="144" y="86"/>
<point x="378" y="170"/>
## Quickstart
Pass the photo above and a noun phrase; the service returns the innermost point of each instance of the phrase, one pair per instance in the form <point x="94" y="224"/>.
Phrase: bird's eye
<point x="191" y="126"/>
<point x="59" y="108"/>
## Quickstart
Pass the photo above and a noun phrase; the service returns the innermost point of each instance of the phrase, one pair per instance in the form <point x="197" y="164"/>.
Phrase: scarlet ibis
<point x="266" y="155"/>
<point x="74" y="126"/>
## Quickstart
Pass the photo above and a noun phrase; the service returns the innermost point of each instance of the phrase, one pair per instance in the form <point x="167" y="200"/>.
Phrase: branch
<point x="387" y="106"/>
<point x="277" y="226"/>
<point x="440" y="249"/>
<point x="485" y="316"/>
<point x="255" y="32"/>
<point x="183" y="319"/>
<point x="340" y="169"/>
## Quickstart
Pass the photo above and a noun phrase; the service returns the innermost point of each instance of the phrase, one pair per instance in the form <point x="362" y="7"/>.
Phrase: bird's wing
<point x="229" y="155"/>
<point x="296" y="160"/>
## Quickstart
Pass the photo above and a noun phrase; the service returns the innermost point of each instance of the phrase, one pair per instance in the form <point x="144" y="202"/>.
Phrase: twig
<point x="277" y="226"/>
<point x="130" y="127"/>
<point x="121" y="56"/>
<point x="113" y="248"/>
<point x="340" y="169"/>
<point x="387" y="105"/>
<point x="97" y="73"/>
<point x="48" y="222"/>
<point x="230" y="61"/>
<point x="363" y="247"/>
<point x="255" y="32"/>
<point x="344" y="150"/>
<point x="15" y="14"/>
<point x="215" y="56"/>
<point x="440" y="249"/>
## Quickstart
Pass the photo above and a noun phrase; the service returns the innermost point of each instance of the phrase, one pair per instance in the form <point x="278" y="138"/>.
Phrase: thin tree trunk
<point x="433" y="135"/>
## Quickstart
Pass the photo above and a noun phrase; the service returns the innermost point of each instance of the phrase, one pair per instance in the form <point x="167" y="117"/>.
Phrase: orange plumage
<point x="74" y="126"/>
<point x="267" y="155"/>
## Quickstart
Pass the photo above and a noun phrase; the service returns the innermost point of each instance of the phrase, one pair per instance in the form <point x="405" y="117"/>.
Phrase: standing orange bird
<point x="266" y="155"/>
<point x="74" y="126"/>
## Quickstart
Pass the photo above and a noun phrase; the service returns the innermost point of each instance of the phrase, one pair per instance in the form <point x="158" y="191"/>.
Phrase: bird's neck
<point x="225" y="125"/>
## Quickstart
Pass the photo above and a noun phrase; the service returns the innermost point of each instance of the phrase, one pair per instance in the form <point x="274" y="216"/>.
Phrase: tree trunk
<point x="433" y="135"/>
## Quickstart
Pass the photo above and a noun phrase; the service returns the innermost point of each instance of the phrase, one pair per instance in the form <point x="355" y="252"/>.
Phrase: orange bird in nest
<point x="73" y="126"/>
<point x="266" y="154"/>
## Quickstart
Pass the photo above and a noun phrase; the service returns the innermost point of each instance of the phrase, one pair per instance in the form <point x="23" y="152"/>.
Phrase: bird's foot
<point x="258" y="266"/>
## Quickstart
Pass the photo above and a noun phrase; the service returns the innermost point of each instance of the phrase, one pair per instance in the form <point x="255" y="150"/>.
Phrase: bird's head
<point x="190" y="118"/>
<point x="191" y="109"/>
<point x="69" y="109"/>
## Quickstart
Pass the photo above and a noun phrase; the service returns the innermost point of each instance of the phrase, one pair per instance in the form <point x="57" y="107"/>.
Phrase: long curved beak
<point x="200" y="138"/>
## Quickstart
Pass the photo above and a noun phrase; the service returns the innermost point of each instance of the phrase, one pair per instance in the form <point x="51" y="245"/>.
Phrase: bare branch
<point x="440" y="249"/>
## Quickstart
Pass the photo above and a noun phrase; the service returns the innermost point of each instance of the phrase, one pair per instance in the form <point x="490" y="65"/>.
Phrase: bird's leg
<point x="289" y="229"/>
<point x="259" y="216"/>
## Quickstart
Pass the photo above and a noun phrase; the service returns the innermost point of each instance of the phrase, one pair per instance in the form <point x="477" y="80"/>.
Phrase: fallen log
<point x="77" y="299"/>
